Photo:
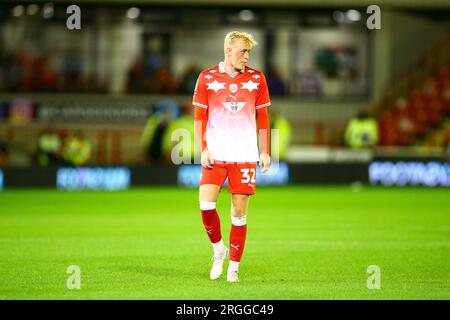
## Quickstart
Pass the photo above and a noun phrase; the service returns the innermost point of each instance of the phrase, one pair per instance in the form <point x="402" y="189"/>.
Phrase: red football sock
<point x="211" y="222"/>
<point x="237" y="242"/>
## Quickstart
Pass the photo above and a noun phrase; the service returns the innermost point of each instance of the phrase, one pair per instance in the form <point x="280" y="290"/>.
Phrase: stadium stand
<point x="421" y="108"/>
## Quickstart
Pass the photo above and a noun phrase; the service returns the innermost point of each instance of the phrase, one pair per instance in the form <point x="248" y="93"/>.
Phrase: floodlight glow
<point x="246" y="15"/>
<point x="338" y="16"/>
<point x="18" y="11"/>
<point x="353" y="15"/>
<point x="133" y="13"/>
<point x="32" y="9"/>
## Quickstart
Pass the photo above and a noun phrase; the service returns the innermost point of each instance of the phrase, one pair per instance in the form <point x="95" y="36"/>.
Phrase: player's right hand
<point x="207" y="160"/>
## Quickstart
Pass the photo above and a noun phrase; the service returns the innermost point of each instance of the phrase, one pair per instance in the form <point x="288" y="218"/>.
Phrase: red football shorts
<point x="241" y="176"/>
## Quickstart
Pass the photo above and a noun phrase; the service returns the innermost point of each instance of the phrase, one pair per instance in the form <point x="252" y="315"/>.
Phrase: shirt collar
<point x="222" y="68"/>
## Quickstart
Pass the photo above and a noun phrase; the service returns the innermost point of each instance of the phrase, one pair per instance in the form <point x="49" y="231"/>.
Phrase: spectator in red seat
<point x="162" y="80"/>
<point x="387" y="129"/>
<point x="416" y="99"/>
<point x="420" y="110"/>
<point x="432" y="102"/>
<point x="430" y="88"/>
<point x="136" y="78"/>
<point x="18" y="70"/>
<point x="445" y="96"/>
<point x="420" y="120"/>
<point x="405" y="122"/>
<point x="49" y="78"/>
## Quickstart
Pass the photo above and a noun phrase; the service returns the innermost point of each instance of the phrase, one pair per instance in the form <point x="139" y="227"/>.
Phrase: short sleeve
<point x="262" y="98"/>
<point x="200" y="98"/>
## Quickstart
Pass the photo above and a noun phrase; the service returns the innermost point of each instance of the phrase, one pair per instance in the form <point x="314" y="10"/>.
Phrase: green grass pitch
<point x="303" y="243"/>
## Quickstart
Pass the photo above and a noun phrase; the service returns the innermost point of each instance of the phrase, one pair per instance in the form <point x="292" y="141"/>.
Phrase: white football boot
<point x="218" y="260"/>
<point x="232" y="276"/>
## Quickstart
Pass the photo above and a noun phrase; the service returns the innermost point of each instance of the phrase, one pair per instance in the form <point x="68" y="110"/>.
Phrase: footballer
<point x="230" y="102"/>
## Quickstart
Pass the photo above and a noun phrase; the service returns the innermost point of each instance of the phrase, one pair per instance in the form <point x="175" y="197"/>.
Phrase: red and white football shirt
<point x="231" y="100"/>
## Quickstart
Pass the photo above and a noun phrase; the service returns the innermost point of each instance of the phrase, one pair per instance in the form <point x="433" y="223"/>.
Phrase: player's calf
<point x="211" y="221"/>
<point x="237" y="242"/>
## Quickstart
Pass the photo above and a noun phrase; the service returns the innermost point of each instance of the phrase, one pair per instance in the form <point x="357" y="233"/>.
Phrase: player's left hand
<point x="264" y="162"/>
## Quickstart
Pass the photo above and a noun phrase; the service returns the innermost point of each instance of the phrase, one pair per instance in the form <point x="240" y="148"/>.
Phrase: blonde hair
<point x="236" y="35"/>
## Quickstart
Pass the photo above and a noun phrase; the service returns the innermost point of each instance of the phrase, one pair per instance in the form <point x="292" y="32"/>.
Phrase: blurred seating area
<point x="439" y="137"/>
<point x="21" y="71"/>
<point x="118" y="53"/>
<point x="25" y="71"/>
<point x="421" y="110"/>
<point x="60" y="147"/>
<point x="111" y="79"/>
<point x="91" y="139"/>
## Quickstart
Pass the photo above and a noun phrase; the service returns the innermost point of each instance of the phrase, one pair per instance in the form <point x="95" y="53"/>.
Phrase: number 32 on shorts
<point x="248" y="175"/>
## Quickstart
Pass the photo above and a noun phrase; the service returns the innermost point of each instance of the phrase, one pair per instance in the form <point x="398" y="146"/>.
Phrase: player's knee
<point x="238" y="211"/>
<point x="207" y="205"/>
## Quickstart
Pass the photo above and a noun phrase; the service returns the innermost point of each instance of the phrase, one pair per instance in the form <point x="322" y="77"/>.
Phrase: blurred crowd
<point x="361" y="132"/>
<point x="159" y="142"/>
<point x="56" y="147"/>
<point x="412" y="116"/>
<point x="422" y="115"/>
<point x="3" y="153"/>
<point x="21" y="71"/>
<point x="155" y="77"/>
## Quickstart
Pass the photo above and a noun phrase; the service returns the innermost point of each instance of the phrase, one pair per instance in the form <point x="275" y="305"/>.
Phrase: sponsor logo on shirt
<point x="234" y="106"/>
